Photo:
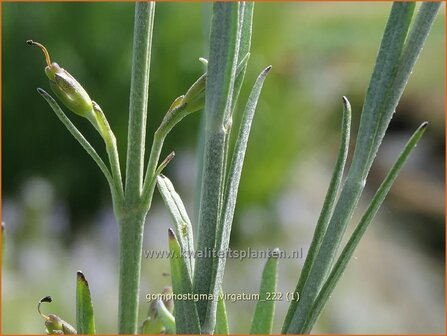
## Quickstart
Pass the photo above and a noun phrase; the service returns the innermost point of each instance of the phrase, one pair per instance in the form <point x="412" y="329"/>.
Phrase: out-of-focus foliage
<point x="319" y="52"/>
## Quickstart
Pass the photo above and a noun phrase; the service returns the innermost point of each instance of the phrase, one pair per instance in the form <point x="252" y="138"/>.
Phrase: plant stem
<point x="131" y="220"/>
<point x="131" y="241"/>
<point x="219" y="90"/>
<point x="103" y="127"/>
<point x="112" y="152"/>
<point x="150" y="179"/>
<point x="139" y="90"/>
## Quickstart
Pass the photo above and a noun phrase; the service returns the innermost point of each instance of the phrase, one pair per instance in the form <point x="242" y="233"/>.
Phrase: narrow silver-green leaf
<point x="383" y="76"/>
<point x="183" y="227"/>
<point x="328" y="207"/>
<point x="359" y="231"/>
<point x="237" y="161"/>
<point x="414" y="43"/>
<point x="246" y="21"/>
<point x="232" y="182"/>
<point x="187" y="319"/>
<point x="218" y="101"/>
<point x="221" y="318"/>
<point x="265" y="308"/>
<point x="381" y="83"/>
<point x="85" y="319"/>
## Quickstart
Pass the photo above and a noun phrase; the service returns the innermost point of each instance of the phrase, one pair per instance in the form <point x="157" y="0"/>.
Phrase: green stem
<point x="144" y="20"/>
<point x="112" y="152"/>
<point x="218" y="102"/>
<point x="131" y="221"/>
<point x="131" y="240"/>
<point x="103" y="127"/>
<point x="172" y="118"/>
<point x="149" y="183"/>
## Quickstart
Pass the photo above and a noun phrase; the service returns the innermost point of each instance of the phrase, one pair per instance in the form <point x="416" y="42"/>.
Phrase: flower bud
<point x="66" y="88"/>
<point x="194" y="99"/>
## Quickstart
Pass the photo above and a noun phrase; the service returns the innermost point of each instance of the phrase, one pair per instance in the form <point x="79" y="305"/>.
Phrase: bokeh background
<point x="56" y="205"/>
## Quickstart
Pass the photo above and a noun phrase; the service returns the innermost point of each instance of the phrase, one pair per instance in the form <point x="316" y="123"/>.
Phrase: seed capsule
<point x="66" y="88"/>
<point x="54" y="324"/>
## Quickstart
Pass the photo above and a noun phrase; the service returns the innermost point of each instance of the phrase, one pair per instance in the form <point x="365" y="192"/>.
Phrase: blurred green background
<point x="56" y="205"/>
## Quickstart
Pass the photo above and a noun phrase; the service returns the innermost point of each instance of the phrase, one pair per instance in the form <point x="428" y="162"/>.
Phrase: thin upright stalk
<point x="131" y="221"/>
<point x="218" y="102"/>
<point x="131" y="239"/>
<point x="139" y="90"/>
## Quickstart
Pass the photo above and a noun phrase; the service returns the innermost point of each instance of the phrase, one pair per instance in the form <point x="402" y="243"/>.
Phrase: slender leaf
<point x="80" y="138"/>
<point x="328" y="207"/>
<point x="381" y="84"/>
<point x="219" y="89"/>
<point x="383" y="76"/>
<point x="359" y="231"/>
<point x="187" y="319"/>
<point x="232" y="184"/>
<point x="221" y="317"/>
<point x="85" y="319"/>
<point x="183" y="227"/>
<point x="265" y="308"/>
<point x="246" y="21"/>
<point x="413" y="46"/>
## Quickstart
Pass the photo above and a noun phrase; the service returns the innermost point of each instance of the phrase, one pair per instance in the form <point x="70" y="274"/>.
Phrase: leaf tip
<point x="204" y="61"/>
<point x="171" y="234"/>
<point x="267" y="70"/>
<point x="41" y="91"/>
<point x="169" y="157"/>
<point x="345" y="102"/>
<point x="424" y="125"/>
<point x="165" y="163"/>
<point x="81" y="276"/>
<point x="81" y="279"/>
